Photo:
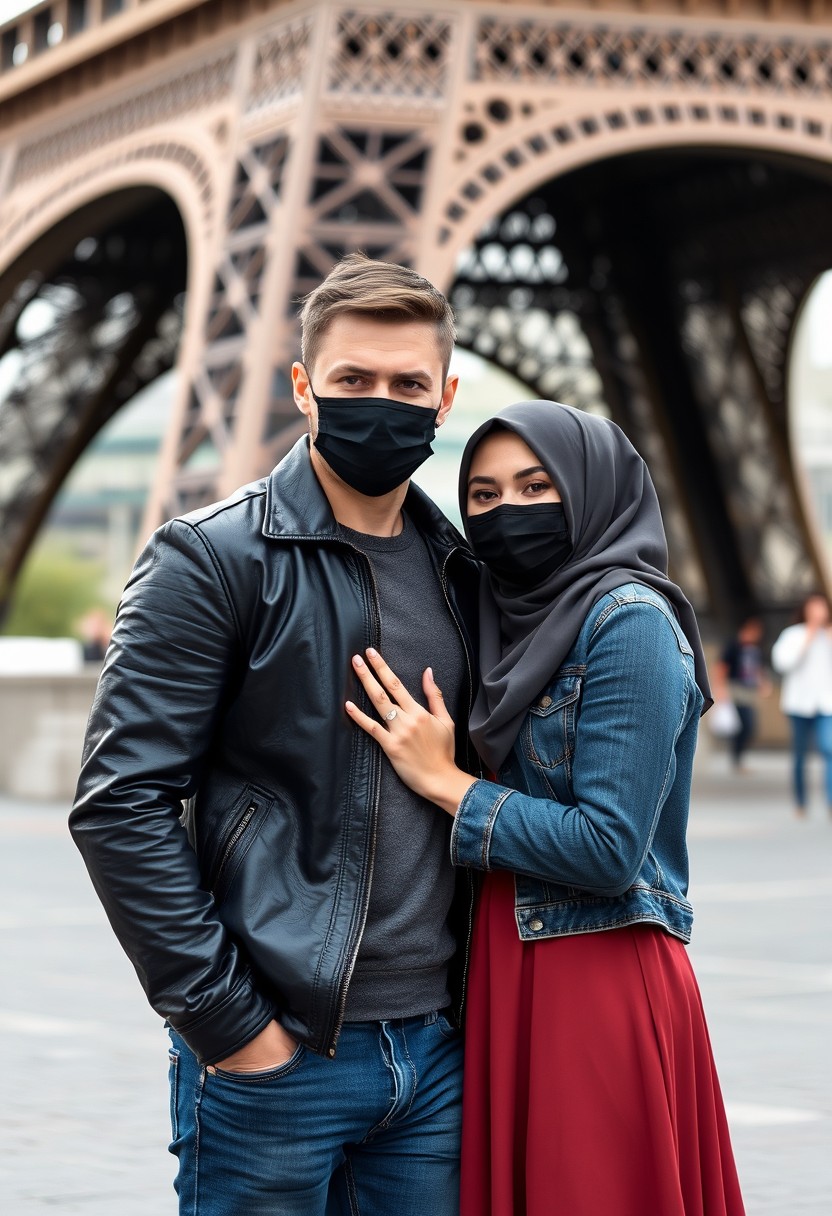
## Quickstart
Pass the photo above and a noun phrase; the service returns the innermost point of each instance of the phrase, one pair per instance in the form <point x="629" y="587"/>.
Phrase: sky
<point x="819" y="320"/>
<point x="9" y="9"/>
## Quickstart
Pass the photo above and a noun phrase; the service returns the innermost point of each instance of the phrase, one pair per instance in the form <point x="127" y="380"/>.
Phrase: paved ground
<point x="83" y="1116"/>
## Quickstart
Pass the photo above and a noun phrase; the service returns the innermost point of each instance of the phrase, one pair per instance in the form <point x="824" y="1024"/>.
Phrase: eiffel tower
<point x="627" y="203"/>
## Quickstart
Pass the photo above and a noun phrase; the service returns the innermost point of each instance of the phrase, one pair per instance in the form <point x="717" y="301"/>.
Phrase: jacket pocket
<point x="549" y="729"/>
<point x="249" y="812"/>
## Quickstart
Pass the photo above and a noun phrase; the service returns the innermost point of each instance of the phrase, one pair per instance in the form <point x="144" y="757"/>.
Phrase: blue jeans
<point x="748" y="725"/>
<point x="802" y="730"/>
<point x="374" y="1132"/>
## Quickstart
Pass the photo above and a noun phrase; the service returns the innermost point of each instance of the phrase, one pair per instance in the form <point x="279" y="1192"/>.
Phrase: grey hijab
<point x="617" y="535"/>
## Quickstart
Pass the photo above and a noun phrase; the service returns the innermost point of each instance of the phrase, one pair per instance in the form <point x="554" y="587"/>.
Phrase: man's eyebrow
<point x="352" y="367"/>
<point x="355" y="370"/>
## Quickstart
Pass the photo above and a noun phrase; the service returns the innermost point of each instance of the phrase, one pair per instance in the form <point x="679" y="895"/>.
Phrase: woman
<point x="803" y="656"/>
<point x="590" y="1085"/>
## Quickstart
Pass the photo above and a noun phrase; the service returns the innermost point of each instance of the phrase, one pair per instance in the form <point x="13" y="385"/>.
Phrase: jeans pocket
<point x="264" y="1076"/>
<point x="173" y="1079"/>
<point x="446" y="1027"/>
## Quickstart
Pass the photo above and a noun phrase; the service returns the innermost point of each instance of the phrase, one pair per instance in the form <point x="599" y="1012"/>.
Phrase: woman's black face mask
<point x="372" y="443"/>
<point x="521" y="545"/>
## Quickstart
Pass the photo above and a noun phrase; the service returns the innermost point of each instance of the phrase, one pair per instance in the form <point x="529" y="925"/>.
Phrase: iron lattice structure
<point x="627" y="209"/>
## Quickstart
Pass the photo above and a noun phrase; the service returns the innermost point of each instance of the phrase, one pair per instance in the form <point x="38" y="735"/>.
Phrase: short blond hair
<point x="359" y="284"/>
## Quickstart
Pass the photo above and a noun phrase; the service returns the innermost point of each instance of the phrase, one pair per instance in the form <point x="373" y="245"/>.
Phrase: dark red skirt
<point x="590" y="1087"/>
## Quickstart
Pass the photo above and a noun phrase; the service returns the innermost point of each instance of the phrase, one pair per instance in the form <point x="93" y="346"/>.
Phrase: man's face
<point x="751" y="632"/>
<point x="360" y="356"/>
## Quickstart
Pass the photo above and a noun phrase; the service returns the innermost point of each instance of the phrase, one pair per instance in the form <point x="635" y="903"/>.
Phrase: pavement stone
<point x="762" y="949"/>
<point x="84" y="1110"/>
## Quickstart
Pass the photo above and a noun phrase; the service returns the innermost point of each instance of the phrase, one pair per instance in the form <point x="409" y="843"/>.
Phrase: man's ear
<point x="448" y="394"/>
<point x="301" y="389"/>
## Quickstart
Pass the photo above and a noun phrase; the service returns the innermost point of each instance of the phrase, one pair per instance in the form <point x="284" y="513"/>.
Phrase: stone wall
<point x="42" y="723"/>
<point x="43" y="718"/>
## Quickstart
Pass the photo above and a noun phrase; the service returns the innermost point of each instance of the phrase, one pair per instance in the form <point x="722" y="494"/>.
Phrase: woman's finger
<point x="373" y="728"/>
<point x="373" y="689"/>
<point x="391" y="681"/>
<point x="436" y="702"/>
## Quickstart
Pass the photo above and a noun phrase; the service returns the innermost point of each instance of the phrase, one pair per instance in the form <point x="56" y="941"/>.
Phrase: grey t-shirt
<point x="402" y="964"/>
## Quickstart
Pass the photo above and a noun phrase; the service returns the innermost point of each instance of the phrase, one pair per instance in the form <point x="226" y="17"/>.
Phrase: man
<point x="740" y="678"/>
<point x="296" y="927"/>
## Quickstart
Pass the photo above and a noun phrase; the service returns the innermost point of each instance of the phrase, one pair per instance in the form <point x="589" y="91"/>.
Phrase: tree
<point x="53" y="592"/>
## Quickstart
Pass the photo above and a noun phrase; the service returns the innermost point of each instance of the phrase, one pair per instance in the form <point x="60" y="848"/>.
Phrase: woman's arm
<point x="637" y="698"/>
<point x="790" y="648"/>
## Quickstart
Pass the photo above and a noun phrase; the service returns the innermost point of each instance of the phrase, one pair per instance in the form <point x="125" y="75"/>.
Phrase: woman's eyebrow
<point x="537" y="468"/>
<point x="489" y="481"/>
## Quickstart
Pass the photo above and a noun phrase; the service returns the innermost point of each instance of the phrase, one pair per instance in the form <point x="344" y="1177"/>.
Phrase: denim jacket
<point x="590" y="808"/>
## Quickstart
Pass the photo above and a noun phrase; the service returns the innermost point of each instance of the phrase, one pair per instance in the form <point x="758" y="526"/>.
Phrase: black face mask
<point x="372" y="443"/>
<point x="521" y="545"/>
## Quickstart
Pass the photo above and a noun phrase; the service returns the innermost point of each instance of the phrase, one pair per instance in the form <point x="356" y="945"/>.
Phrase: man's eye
<point x="412" y="386"/>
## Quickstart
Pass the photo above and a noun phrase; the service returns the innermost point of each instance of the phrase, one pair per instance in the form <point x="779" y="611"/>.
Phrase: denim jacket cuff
<point x="474" y="824"/>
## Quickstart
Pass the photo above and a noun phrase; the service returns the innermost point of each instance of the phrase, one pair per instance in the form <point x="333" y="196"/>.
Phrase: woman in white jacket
<point x="803" y="657"/>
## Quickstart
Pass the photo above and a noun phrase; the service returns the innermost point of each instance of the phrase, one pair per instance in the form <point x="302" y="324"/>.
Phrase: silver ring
<point x="393" y="714"/>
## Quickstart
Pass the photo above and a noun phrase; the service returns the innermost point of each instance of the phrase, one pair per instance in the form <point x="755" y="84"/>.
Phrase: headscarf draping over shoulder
<point x="617" y="535"/>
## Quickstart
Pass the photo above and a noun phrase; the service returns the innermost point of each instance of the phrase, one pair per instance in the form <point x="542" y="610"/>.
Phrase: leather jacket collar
<point x="297" y="507"/>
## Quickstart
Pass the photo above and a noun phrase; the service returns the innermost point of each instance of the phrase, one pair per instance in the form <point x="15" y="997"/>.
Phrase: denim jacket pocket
<point x="549" y="729"/>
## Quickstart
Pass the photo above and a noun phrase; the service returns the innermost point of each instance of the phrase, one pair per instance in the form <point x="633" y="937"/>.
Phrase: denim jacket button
<point x="544" y="702"/>
<point x="536" y="925"/>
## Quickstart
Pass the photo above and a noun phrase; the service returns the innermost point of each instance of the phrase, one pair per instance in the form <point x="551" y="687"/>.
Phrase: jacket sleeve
<point x="637" y="699"/>
<point x="789" y="649"/>
<point x="158" y="703"/>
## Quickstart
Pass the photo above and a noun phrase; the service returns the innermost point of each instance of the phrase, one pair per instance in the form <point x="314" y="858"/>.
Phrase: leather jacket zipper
<point x="443" y="580"/>
<point x="376" y="784"/>
<point x="468" y="752"/>
<point x="232" y="843"/>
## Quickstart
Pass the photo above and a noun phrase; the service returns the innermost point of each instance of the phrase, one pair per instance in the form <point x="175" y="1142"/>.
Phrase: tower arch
<point x="680" y="271"/>
<point x="92" y="312"/>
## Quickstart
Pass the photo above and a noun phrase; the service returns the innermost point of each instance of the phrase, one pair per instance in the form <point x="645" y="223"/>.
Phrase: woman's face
<point x="504" y="469"/>
<point x="816" y="611"/>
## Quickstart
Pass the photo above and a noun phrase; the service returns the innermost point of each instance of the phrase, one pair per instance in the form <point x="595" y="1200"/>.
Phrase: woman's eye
<point x="538" y="487"/>
<point x="483" y="495"/>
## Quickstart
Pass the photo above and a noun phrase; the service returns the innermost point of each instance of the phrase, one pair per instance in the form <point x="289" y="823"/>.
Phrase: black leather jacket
<point x="224" y="688"/>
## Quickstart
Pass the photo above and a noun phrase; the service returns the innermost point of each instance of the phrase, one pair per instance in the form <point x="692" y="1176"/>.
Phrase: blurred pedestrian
<point x="740" y="677"/>
<point x="95" y="629"/>
<point x="803" y="656"/>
